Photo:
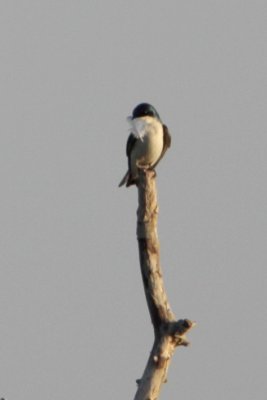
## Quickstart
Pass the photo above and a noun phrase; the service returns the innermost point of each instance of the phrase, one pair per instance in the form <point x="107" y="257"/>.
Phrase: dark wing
<point x="127" y="179"/>
<point x="129" y="147"/>
<point x="166" y="138"/>
<point x="130" y="144"/>
<point x="166" y="142"/>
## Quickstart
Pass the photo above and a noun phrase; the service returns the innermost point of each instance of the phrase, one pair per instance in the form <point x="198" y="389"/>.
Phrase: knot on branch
<point x="178" y="329"/>
<point x="161" y="360"/>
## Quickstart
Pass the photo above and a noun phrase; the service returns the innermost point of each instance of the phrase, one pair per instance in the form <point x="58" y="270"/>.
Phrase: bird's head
<point x="145" y="110"/>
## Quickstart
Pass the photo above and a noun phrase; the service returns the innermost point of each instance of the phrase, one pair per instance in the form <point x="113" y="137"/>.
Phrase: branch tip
<point x="181" y="341"/>
<point x="182" y="326"/>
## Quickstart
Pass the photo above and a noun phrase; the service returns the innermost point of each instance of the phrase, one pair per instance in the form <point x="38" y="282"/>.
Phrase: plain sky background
<point x="73" y="317"/>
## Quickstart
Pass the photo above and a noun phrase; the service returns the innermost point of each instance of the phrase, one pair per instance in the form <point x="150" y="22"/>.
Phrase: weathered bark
<point x="169" y="333"/>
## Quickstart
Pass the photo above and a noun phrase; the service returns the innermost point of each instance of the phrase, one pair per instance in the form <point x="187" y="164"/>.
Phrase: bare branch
<point x="169" y="333"/>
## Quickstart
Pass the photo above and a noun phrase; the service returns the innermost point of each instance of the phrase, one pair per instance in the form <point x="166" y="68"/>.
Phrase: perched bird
<point x="147" y="142"/>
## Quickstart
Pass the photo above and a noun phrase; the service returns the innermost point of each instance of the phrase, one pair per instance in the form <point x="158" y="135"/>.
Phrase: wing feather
<point x="127" y="179"/>
<point x="166" y="142"/>
<point x="130" y="144"/>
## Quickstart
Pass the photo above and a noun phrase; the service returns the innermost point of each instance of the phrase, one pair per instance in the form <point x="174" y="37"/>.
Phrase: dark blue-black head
<point x="145" y="109"/>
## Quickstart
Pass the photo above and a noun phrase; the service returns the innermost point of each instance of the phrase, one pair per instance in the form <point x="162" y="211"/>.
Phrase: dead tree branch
<point x="168" y="332"/>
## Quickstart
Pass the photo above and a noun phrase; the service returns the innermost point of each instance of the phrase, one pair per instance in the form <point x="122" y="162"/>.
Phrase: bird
<point x="147" y="143"/>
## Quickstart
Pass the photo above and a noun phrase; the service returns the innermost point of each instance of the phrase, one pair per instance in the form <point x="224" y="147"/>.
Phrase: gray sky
<point x="74" y="322"/>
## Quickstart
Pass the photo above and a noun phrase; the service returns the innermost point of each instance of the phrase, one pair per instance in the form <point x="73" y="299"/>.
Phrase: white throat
<point x="139" y="126"/>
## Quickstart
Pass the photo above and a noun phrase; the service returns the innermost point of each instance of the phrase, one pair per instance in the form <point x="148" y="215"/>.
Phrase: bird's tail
<point x="124" y="179"/>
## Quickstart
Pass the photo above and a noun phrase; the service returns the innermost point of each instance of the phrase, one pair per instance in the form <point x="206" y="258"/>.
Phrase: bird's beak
<point x="129" y="118"/>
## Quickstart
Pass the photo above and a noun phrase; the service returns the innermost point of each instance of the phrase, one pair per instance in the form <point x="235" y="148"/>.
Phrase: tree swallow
<point x="147" y="143"/>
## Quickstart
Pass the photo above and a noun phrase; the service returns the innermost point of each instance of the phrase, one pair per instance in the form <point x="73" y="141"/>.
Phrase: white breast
<point x="148" y="148"/>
